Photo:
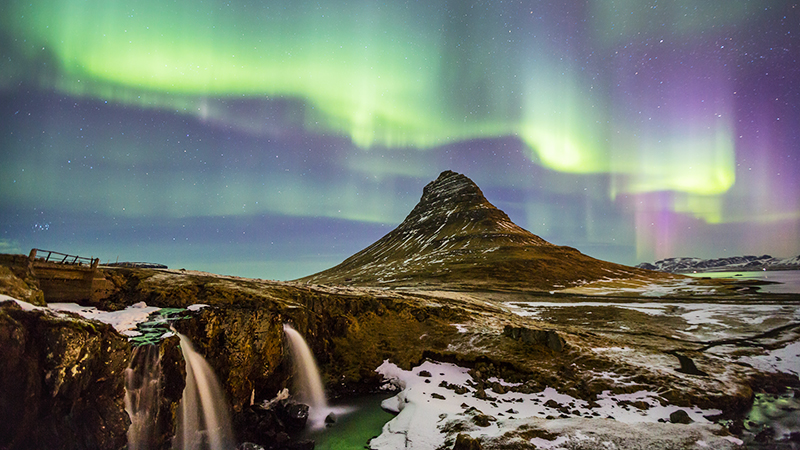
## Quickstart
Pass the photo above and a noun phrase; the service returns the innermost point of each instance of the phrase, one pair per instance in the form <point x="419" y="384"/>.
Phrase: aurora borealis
<point x="273" y="139"/>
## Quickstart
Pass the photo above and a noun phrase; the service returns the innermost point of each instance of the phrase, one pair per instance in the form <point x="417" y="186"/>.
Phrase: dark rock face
<point x="61" y="382"/>
<point x="455" y="238"/>
<point x="548" y="338"/>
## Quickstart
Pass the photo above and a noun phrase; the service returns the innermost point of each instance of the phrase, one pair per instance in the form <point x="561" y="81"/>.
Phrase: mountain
<point x="729" y="264"/>
<point x="455" y="238"/>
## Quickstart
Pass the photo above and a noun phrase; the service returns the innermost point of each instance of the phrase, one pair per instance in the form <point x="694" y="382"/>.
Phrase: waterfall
<point x="203" y="419"/>
<point x="309" y="384"/>
<point x="142" y="384"/>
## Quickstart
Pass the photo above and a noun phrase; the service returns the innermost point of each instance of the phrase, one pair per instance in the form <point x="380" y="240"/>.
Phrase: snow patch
<point x="124" y="321"/>
<point x="426" y="408"/>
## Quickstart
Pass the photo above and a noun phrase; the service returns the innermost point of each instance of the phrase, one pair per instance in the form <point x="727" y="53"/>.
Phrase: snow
<point x="24" y="305"/>
<point x="785" y="359"/>
<point x="701" y="319"/>
<point x="423" y="416"/>
<point x="547" y="444"/>
<point x="123" y="321"/>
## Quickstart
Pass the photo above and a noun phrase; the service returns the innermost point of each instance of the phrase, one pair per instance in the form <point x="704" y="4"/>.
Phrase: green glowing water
<point x="353" y="430"/>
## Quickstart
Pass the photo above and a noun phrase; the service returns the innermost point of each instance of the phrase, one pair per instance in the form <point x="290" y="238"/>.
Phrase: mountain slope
<point x="455" y="238"/>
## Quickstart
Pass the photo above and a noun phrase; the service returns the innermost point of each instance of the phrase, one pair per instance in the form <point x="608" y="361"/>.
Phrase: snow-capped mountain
<point x="454" y="237"/>
<point x="730" y="264"/>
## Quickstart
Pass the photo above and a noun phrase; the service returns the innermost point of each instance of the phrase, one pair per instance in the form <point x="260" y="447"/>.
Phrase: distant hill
<point x="730" y="264"/>
<point x="454" y="238"/>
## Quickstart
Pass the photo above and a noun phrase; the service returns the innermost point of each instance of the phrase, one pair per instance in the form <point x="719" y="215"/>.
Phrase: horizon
<point x="275" y="139"/>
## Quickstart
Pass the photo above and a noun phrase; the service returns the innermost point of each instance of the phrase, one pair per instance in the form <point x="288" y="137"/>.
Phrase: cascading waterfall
<point x="203" y="418"/>
<point x="309" y="383"/>
<point x="142" y="385"/>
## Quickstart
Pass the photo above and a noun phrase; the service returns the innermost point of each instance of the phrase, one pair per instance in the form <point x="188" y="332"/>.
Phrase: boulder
<point x="680" y="416"/>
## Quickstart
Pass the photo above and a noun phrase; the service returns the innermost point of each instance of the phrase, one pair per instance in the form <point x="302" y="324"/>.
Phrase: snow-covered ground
<point x="701" y="320"/>
<point x="124" y="321"/>
<point x="429" y="414"/>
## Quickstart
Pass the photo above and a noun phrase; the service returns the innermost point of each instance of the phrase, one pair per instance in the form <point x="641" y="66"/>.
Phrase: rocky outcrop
<point x="455" y="238"/>
<point x="61" y="381"/>
<point x="17" y="280"/>
<point x="548" y="338"/>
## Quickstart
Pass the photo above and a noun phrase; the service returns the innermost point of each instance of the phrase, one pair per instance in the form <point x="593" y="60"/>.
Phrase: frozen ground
<point x="124" y="321"/>
<point x="431" y="414"/>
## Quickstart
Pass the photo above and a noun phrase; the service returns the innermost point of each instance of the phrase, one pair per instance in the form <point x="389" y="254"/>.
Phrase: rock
<point x="680" y="416"/>
<point x="61" y="381"/>
<point x="642" y="405"/>
<point x="438" y="396"/>
<point x="330" y="418"/>
<point x="482" y="420"/>
<point x="424" y="373"/>
<point x="250" y="446"/>
<point x="552" y="404"/>
<point x="17" y="280"/>
<point x="688" y="366"/>
<point x="766" y="435"/>
<point x="465" y="442"/>
<point x="306" y="444"/>
<point x="548" y="338"/>
<point x="498" y="388"/>
<point x="294" y="415"/>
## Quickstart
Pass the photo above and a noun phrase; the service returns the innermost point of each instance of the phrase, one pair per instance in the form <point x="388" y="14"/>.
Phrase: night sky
<point x="272" y="139"/>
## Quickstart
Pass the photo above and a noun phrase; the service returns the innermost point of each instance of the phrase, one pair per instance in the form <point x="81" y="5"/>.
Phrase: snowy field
<point x="431" y="413"/>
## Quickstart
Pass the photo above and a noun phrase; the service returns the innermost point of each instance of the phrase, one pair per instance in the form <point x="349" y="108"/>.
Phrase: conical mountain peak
<point x="454" y="237"/>
<point x="453" y="207"/>
<point x="449" y="193"/>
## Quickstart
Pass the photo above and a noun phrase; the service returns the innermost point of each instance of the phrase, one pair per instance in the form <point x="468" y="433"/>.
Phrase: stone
<point x="680" y="416"/>
<point x="688" y="366"/>
<point x="552" y="404"/>
<point x="466" y="442"/>
<point x="295" y="415"/>
<point x="482" y="420"/>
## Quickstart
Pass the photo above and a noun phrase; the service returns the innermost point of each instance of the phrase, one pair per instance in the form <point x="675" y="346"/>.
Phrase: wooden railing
<point x="62" y="258"/>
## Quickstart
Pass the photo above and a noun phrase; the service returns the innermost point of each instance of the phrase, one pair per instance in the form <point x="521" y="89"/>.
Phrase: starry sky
<point x="273" y="139"/>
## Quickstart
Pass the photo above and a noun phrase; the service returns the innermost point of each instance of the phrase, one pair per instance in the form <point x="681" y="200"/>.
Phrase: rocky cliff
<point x="61" y="381"/>
<point x="455" y="238"/>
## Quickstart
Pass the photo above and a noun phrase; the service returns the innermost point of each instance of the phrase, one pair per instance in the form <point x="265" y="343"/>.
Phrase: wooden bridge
<point x="68" y="278"/>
